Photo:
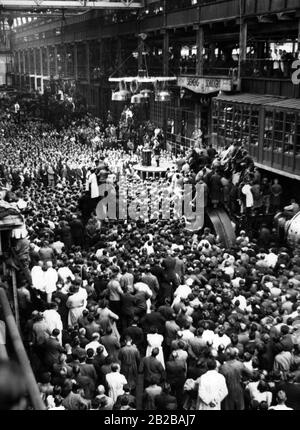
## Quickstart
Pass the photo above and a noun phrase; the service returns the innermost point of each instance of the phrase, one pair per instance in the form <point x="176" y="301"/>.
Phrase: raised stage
<point x="153" y="171"/>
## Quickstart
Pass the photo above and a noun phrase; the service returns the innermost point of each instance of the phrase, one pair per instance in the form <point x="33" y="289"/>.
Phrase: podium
<point x="147" y="157"/>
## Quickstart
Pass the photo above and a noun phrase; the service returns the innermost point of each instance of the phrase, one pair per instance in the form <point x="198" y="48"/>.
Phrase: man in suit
<point x="179" y="266"/>
<point x="99" y="360"/>
<point x="152" y="368"/>
<point x="196" y="344"/>
<point x="153" y="319"/>
<point x="176" y="376"/>
<point x="53" y="349"/>
<point x="234" y="370"/>
<point x="136" y="334"/>
<point x="77" y="231"/>
<point x="129" y="357"/>
<point x="111" y="343"/>
<point x="292" y="390"/>
<point x="169" y="264"/>
<point x="171" y="330"/>
<point x="127" y="394"/>
<point x="151" y="280"/>
<point x="92" y="327"/>
<point x="165" y="401"/>
<point x="87" y="369"/>
<point x="128" y="302"/>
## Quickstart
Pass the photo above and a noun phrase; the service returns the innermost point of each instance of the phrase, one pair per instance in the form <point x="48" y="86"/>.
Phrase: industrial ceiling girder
<point x="27" y="5"/>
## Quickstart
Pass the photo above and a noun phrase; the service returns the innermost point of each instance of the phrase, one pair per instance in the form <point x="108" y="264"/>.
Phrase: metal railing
<point x="267" y="68"/>
<point x="20" y="352"/>
<point x="177" y="143"/>
<point x="208" y="69"/>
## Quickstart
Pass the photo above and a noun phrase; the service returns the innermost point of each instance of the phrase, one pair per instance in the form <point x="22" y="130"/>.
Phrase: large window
<point x="297" y="135"/>
<point x="70" y="61"/>
<point x="215" y="117"/>
<point x="282" y="131"/>
<point x="31" y="62"/>
<point x="254" y="127"/>
<point x="26" y="62"/>
<point x="268" y="133"/>
<point x="289" y="133"/>
<point x="238" y="118"/>
<point x="236" y="121"/>
<point x="61" y="60"/>
<point x="246" y="121"/>
<point x="44" y="61"/>
<point x="82" y="61"/>
<point x="38" y="61"/>
<point x="52" y="61"/>
<point x="279" y="125"/>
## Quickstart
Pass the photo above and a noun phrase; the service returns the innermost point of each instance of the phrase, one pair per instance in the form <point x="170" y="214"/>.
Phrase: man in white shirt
<point x="246" y="190"/>
<point x="208" y="336"/>
<point x="51" y="278"/>
<point x="94" y="344"/>
<point x="271" y="259"/>
<point x="212" y="388"/>
<point x="229" y="269"/>
<point x="281" y="399"/>
<point x="182" y="292"/>
<point x="221" y="339"/>
<point x="58" y="246"/>
<point x="236" y="282"/>
<point x="53" y="320"/>
<point x="38" y="277"/>
<point x="142" y="287"/>
<point x="64" y="273"/>
<point x="149" y="247"/>
<point x="17" y="107"/>
<point x="115" y="381"/>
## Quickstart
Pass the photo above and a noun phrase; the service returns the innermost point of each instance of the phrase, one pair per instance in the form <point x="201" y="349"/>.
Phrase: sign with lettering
<point x="205" y="85"/>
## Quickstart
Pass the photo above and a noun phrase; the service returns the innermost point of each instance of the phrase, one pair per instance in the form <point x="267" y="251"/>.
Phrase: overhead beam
<point x="145" y="80"/>
<point x="39" y="14"/>
<point x="284" y="16"/>
<point x="68" y="4"/>
<point x="266" y="19"/>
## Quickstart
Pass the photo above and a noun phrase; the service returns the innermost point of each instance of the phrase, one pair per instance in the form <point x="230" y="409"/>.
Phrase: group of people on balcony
<point x="277" y="64"/>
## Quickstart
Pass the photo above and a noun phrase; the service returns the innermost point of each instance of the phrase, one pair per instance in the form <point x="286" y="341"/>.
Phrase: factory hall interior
<point x="150" y="207"/>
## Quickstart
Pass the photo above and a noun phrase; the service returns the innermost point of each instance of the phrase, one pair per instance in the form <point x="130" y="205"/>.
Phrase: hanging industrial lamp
<point x="163" y="96"/>
<point x="146" y="93"/>
<point x="142" y="79"/>
<point x="138" y="98"/>
<point x="122" y="95"/>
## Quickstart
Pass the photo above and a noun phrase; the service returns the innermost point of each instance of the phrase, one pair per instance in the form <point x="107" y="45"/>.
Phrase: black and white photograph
<point x="150" y="208"/>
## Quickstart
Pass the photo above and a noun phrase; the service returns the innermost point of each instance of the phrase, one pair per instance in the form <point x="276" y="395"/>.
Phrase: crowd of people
<point x="140" y="313"/>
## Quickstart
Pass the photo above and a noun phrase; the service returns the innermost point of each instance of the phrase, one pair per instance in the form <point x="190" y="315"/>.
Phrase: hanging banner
<point x="205" y="85"/>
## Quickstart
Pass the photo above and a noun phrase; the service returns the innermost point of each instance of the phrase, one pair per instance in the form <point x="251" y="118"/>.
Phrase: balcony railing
<point x="182" y="4"/>
<point x="178" y="144"/>
<point x="266" y="68"/>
